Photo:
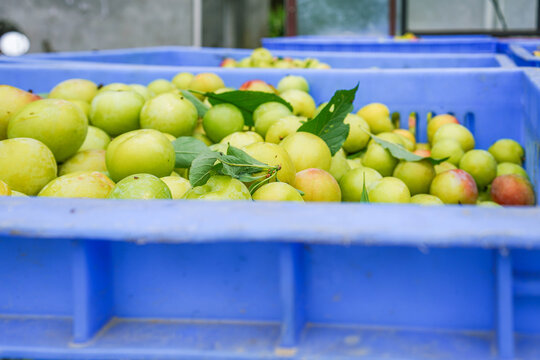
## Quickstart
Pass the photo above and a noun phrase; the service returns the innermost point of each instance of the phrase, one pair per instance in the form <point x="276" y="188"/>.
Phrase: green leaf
<point x="364" y="198"/>
<point x="203" y="167"/>
<point x="399" y="152"/>
<point x="245" y="101"/>
<point x="199" y="105"/>
<point x="188" y="148"/>
<point x="242" y="155"/>
<point x="328" y="124"/>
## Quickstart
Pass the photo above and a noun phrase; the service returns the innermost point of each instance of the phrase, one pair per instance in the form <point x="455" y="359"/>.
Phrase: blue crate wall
<point x="522" y="53"/>
<point x="427" y="45"/>
<point x="163" y="279"/>
<point x="212" y="57"/>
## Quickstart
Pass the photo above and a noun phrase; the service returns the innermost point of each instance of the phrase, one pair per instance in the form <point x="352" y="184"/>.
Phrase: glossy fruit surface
<point x="81" y="184"/>
<point x="307" y="151"/>
<point x="317" y="185"/>
<point x="219" y="187"/>
<point x="142" y="187"/>
<point x="27" y="165"/>
<point x="140" y="151"/>
<point x="59" y="124"/>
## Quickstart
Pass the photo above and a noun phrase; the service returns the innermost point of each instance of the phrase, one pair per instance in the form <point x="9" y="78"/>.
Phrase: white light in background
<point x="14" y="43"/>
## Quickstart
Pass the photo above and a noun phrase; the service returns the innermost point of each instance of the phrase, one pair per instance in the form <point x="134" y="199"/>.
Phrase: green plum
<point x="142" y="90"/>
<point x="169" y="113"/>
<point x="222" y="120"/>
<point x="161" y="86"/>
<point x="228" y="63"/>
<point x="380" y="159"/>
<point x="339" y="165"/>
<point x="88" y="160"/>
<point x="389" y="190"/>
<point x="507" y="150"/>
<point x="178" y="185"/>
<point x="352" y="183"/>
<point x="455" y="187"/>
<point x="302" y="103"/>
<point x="83" y="105"/>
<point x="318" y="185"/>
<point x="116" y="112"/>
<point x="355" y="163"/>
<point x="307" y="151"/>
<point x="283" y="128"/>
<point x="240" y="139"/>
<point x="182" y="80"/>
<point x="81" y="184"/>
<point x="261" y="55"/>
<point x="205" y="82"/>
<point x="481" y="165"/>
<point x="417" y="175"/>
<point x="59" y="124"/>
<point x="358" y="137"/>
<point x="5" y="190"/>
<point x="277" y="191"/>
<point x="142" y="187"/>
<point x="377" y="116"/>
<point x="506" y="168"/>
<point x="267" y="114"/>
<point x="448" y="148"/>
<point x="75" y="89"/>
<point x="426" y="199"/>
<point x="12" y="100"/>
<point x="455" y="132"/>
<point x="219" y="187"/>
<point x="293" y="82"/>
<point x="445" y="165"/>
<point x="437" y="121"/>
<point x="27" y="165"/>
<point x="488" y="204"/>
<point x="274" y="155"/>
<point x="140" y="151"/>
<point x="96" y="139"/>
<point x="115" y="87"/>
<point x="258" y="85"/>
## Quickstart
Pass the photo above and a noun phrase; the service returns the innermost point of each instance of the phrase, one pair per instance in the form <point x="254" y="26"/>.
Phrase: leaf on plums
<point x="240" y="165"/>
<point x="235" y="163"/>
<point x="242" y="155"/>
<point x="364" y="198"/>
<point x="199" y="105"/>
<point x="328" y="124"/>
<point x="245" y="101"/>
<point x="399" y="152"/>
<point x="203" y="167"/>
<point x="187" y="149"/>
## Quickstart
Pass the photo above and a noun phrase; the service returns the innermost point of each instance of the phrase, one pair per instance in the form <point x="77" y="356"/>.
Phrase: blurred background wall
<point x="70" y="25"/>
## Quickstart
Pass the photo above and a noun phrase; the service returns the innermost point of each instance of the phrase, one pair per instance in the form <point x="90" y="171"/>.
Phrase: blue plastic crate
<point x="212" y="57"/>
<point x="99" y="279"/>
<point x="521" y="52"/>
<point x="452" y="44"/>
